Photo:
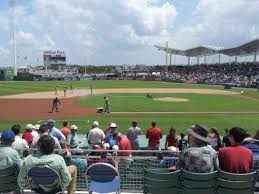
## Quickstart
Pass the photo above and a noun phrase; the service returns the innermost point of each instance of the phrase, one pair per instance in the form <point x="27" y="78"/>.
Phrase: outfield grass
<point x="196" y="103"/>
<point x="180" y="122"/>
<point x="137" y="102"/>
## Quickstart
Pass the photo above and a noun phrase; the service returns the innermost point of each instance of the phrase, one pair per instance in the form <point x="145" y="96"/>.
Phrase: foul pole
<point x="166" y="59"/>
<point x="12" y="4"/>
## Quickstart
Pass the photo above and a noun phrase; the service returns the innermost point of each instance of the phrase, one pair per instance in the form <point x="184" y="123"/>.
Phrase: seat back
<point x="8" y="180"/>
<point x="160" y="181"/>
<point x="103" y="178"/>
<point x="44" y="180"/>
<point x="230" y="183"/>
<point x="197" y="183"/>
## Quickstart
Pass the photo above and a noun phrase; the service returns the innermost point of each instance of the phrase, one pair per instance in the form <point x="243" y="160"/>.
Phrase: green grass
<point x="180" y="122"/>
<point x="137" y="102"/>
<point x="197" y="103"/>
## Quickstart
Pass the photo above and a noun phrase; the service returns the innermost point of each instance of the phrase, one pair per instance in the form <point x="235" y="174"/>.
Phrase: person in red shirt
<point x="65" y="130"/>
<point x="236" y="158"/>
<point x="171" y="139"/>
<point x="124" y="144"/>
<point x="154" y="135"/>
<point x="27" y="134"/>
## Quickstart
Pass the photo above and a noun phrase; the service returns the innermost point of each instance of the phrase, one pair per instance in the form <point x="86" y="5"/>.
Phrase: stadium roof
<point x="249" y="48"/>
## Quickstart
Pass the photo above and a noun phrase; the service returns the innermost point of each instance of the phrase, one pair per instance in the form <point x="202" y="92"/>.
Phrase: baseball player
<point x="106" y="105"/>
<point x="65" y="91"/>
<point x="56" y="90"/>
<point x="91" y="88"/>
<point x="55" y="104"/>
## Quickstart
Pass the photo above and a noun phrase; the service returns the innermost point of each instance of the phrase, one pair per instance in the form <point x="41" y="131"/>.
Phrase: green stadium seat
<point x="229" y="183"/>
<point x="197" y="183"/>
<point x="160" y="181"/>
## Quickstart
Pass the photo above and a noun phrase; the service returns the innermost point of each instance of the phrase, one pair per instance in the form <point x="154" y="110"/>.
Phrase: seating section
<point x="162" y="181"/>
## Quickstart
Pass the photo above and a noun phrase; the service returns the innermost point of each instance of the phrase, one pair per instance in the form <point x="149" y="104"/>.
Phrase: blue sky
<point x="123" y="31"/>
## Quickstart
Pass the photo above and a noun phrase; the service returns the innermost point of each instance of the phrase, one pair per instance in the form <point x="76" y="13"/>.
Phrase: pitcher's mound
<point x="169" y="99"/>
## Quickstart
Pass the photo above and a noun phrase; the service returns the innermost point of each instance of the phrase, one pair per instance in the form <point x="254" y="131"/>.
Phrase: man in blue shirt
<point x="53" y="131"/>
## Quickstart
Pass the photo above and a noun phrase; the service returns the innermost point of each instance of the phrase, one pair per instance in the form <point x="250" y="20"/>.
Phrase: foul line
<point x="186" y="113"/>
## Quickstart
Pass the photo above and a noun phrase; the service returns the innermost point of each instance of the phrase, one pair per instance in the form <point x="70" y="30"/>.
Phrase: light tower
<point x="12" y="4"/>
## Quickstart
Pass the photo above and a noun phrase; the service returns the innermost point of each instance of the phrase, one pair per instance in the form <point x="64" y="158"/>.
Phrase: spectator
<point x="182" y="142"/>
<point x="110" y="135"/>
<point x="123" y="143"/>
<point x="44" y="130"/>
<point x="171" y="139"/>
<point x="198" y="157"/>
<point x="27" y="134"/>
<point x="215" y="141"/>
<point x="65" y="130"/>
<point x="133" y="134"/>
<point x="46" y="157"/>
<point x="72" y="139"/>
<point x="54" y="132"/>
<point x="8" y="156"/>
<point x="236" y="158"/>
<point x="225" y="141"/>
<point x="154" y="135"/>
<point x="35" y="132"/>
<point x="95" y="135"/>
<point x="18" y="143"/>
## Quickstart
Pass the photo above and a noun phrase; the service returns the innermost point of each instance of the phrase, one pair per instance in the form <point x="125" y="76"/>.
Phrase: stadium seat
<point x="102" y="178"/>
<point x="160" y="181"/>
<point x="44" y="180"/>
<point x="198" y="183"/>
<point x="229" y="183"/>
<point x="8" y="180"/>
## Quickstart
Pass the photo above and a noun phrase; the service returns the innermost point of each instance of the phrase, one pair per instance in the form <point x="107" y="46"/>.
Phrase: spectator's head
<point x="46" y="145"/>
<point x="172" y="131"/>
<point x="237" y="135"/>
<point x="182" y="135"/>
<point x="153" y="123"/>
<point x="198" y="135"/>
<point x="117" y="136"/>
<point x="226" y="131"/>
<point x="113" y="126"/>
<point x="16" y="129"/>
<point x="215" y="131"/>
<point x="73" y="128"/>
<point x="51" y="123"/>
<point x="65" y="124"/>
<point x="95" y="124"/>
<point x="7" y="138"/>
<point x="29" y="127"/>
<point x="134" y="122"/>
<point x="44" y="129"/>
<point x="257" y="135"/>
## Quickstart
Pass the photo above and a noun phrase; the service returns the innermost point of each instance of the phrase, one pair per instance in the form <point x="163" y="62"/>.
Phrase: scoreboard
<point x="54" y="58"/>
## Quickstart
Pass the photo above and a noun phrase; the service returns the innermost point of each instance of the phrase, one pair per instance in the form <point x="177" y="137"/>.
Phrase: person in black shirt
<point x="182" y="142"/>
<point x="55" y="104"/>
<point x="225" y="141"/>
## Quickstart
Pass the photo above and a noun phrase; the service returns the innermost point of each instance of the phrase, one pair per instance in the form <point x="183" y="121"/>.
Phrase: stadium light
<point x="12" y="4"/>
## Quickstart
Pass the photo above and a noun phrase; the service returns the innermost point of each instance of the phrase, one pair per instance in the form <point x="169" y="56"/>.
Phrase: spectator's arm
<point x="216" y="162"/>
<point x="65" y="175"/>
<point x="147" y="135"/>
<point x="22" y="177"/>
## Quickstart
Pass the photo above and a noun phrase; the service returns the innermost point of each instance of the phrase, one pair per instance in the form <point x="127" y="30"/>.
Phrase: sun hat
<point x="95" y="124"/>
<point x="74" y="127"/>
<point x="8" y="135"/>
<point x="36" y="127"/>
<point x="200" y="132"/>
<point x="29" y="126"/>
<point x="113" y="125"/>
<point x="51" y="122"/>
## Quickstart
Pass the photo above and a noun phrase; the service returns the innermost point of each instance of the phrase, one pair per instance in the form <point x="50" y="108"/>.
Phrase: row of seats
<point x="162" y="181"/>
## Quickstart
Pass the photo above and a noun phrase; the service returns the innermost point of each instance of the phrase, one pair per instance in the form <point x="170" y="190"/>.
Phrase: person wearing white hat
<point x="95" y="135"/>
<point x="72" y="139"/>
<point x="35" y="133"/>
<point x="110" y="135"/>
<point x="198" y="157"/>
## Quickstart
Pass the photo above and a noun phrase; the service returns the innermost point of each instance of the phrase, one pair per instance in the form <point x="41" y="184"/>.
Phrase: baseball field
<point x="171" y="105"/>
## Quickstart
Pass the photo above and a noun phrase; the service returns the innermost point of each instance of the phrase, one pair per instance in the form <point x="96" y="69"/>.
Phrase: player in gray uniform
<point x="133" y="134"/>
<point x="106" y="105"/>
<point x="55" y="104"/>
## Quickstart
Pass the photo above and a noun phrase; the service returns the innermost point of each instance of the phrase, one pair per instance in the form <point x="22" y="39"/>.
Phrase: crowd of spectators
<point x="202" y="151"/>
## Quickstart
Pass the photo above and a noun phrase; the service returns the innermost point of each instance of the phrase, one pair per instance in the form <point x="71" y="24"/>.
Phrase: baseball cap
<point x="9" y="134"/>
<point x="51" y="122"/>
<point x="36" y="127"/>
<point x="74" y="127"/>
<point x="95" y="124"/>
<point x="115" y="147"/>
<point x="134" y="121"/>
<point x="113" y="125"/>
<point x="29" y="126"/>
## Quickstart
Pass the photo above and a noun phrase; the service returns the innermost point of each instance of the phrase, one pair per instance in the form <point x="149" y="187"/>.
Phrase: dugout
<point x="6" y="74"/>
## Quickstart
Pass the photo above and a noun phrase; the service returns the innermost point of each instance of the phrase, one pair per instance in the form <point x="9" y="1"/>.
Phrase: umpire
<point x="55" y="104"/>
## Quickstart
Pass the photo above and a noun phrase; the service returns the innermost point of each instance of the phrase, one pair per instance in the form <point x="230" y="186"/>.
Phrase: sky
<point x="117" y="32"/>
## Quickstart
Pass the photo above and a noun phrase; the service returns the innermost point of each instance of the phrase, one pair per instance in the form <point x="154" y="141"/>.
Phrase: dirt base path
<point x="36" y="106"/>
